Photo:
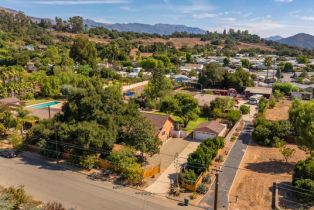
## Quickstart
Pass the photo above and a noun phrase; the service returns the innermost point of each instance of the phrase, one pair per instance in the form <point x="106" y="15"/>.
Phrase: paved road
<point x="229" y="171"/>
<point x="49" y="182"/>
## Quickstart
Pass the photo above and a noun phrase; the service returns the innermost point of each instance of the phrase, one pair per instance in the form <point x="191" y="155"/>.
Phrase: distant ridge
<point x="162" y="29"/>
<point x="301" y="40"/>
<point x="274" y="38"/>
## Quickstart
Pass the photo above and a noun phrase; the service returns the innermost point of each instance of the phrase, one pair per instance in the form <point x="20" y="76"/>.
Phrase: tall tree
<point x="83" y="51"/>
<point x="268" y="63"/>
<point x="76" y="24"/>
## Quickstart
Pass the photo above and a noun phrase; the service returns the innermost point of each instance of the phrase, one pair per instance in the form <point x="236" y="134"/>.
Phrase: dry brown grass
<point x="279" y="112"/>
<point x="261" y="46"/>
<point x="261" y="167"/>
<point x="178" y="42"/>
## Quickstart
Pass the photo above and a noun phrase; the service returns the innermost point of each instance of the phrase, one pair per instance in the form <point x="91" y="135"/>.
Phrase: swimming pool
<point x="44" y="105"/>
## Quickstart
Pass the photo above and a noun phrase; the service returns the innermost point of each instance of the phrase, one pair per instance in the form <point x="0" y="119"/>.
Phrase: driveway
<point x="162" y="184"/>
<point x="50" y="182"/>
<point x="229" y="170"/>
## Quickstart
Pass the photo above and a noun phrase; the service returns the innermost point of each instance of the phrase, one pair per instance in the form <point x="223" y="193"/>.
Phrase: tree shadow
<point x="34" y="159"/>
<point x="271" y="167"/>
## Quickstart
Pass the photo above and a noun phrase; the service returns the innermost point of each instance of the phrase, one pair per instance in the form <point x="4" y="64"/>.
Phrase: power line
<point x="296" y="191"/>
<point x="310" y="191"/>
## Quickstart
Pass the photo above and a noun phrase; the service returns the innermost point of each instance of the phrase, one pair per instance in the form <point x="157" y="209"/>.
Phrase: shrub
<point x="188" y="176"/>
<point x="89" y="161"/>
<point x="200" y="160"/>
<point x="285" y="88"/>
<point x="206" y="179"/>
<point x="125" y="162"/>
<point x="303" y="178"/>
<point x="53" y="206"/>
<point x="202" y="189"/>
<point x="245" y="109"/>
<point x="272" y="102"/>
<point x="262" y="105"/>
<point x="233" y="116"/>
<point x="267" y="133"/>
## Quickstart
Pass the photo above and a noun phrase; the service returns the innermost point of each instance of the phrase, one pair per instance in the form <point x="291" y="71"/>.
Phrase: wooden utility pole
<point x="216" y="190"/>
<point x="49" y="112"/>
<point x="56" y="139"/>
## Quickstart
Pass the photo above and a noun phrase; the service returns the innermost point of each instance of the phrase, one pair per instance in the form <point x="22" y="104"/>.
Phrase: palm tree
<point x="23" y="116"/>
<point x="268" y="63"/>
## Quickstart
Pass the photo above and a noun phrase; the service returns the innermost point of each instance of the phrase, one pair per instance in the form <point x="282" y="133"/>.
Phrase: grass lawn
<point x="192" y="124"/>
<point x="36" y="101"/>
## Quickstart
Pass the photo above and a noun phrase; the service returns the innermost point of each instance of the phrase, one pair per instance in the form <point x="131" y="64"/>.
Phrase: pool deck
<point x="43" y="113"/>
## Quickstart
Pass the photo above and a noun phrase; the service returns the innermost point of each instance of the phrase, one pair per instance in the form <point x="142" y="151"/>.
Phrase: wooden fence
<point x="147" y="172"/>
<point x="193" y="187"/>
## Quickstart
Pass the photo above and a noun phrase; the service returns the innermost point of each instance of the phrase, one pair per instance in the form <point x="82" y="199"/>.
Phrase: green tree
<point x="244" y="109"/>
<point x="303" y="59"/>
<point x="136" y="131"/>
<point x="302" y="117"/>
<point x="288" y="67"/>
<point x="213" y="75"/>
<point x="77" y="24"/>
<point x="246" y="63"/>
<point x="187" y="108"/>
<point x="84" y="51"/>
<point x="268" y="63"/>
<point x="287" y="152"/>
<point x="226" y="61"/>
<point x="23" y="116"/>
<point x="159" y="85"/>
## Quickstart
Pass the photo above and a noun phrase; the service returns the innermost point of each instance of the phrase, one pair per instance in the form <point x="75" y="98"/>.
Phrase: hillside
<point x="301" y="40"/>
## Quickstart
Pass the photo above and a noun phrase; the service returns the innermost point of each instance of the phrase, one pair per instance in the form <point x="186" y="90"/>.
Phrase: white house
<point x="209" y="130"/>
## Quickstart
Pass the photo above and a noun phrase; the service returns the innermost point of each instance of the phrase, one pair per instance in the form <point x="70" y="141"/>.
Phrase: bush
<point x="285" y="88"/>
<point x="272" y="102"/>
<point x="53" y="206"/>
<point x="89" y="161"/>
<point x="202" y="189"/>
<point x="233" y="116"/>
<point x="206" y="179"/>
<point x="245" y="109"/>
<point x="303" y="178"/>
<point x="262" y="105"/>
<point x="267" y="133"/>
<point x="188" y="176"/>
<point x="125" y="162"/>
<point x="200" y="160"/>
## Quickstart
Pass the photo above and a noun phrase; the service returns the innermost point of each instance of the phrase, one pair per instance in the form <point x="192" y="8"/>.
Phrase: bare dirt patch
<point x="261" y="46"/>
<point x="279" y="112"/>
<point x="260" y="167"/>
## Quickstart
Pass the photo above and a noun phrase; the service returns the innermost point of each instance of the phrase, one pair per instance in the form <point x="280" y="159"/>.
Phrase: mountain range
<point x="162" y="29"/>
<point x="274" y="38"/>
<point x="301" y="40"/>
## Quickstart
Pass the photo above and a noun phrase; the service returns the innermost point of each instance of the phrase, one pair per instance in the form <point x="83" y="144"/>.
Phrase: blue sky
<point x="263" y="17"/>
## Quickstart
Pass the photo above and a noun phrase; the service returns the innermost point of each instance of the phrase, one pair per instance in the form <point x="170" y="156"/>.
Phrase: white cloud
<point x="78" y="2"/>
<point x="204" y="15"/>
<point x="309" y="18"/>
<point x="284" y="1"/>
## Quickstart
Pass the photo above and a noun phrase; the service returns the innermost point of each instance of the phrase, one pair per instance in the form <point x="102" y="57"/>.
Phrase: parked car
<point x="8" y="154"/>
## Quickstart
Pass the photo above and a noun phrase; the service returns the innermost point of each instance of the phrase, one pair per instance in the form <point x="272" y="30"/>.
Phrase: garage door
<point x="202" y="136"/>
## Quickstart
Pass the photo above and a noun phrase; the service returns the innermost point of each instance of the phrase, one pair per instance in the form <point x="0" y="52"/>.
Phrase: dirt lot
<point x="260" y="167"/>
<point x="279" y="112"/>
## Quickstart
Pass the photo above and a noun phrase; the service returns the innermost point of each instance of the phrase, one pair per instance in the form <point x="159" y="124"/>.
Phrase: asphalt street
<point x="229" y="171"/>
<point x="49" y="182"/>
